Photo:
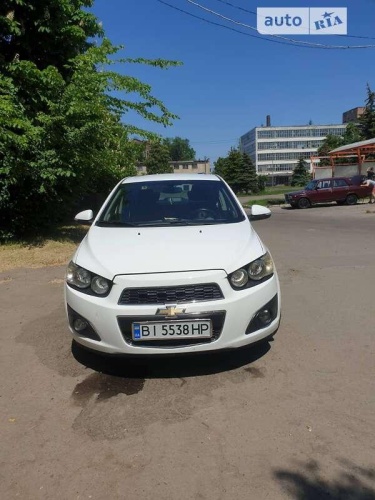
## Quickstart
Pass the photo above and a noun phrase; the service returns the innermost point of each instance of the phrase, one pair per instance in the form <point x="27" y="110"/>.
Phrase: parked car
<point x="171" y="264"/>
<point x="339" y="189"/>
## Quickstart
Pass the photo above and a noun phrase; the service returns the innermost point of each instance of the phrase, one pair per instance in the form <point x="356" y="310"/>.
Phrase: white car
<point x="171" y="264"/>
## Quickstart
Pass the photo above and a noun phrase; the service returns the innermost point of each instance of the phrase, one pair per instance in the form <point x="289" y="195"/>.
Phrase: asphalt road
<point x="293" y="419"/>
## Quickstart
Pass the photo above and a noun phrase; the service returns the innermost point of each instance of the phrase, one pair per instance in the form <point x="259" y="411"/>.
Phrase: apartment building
<point x="275" y="151"/>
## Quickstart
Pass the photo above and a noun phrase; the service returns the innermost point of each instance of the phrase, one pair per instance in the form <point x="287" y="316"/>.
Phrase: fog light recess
<point x="264" y="316"/>
<point x="81" y="326"/>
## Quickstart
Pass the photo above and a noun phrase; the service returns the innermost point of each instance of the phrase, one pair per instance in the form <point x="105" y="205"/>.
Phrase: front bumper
<point x="110" y="322"/>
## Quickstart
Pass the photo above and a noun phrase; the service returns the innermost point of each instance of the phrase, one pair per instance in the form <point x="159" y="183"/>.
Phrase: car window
<point x="339" y="183"/>
<point x="324" y="184"/>
<point x="171" y="202"/>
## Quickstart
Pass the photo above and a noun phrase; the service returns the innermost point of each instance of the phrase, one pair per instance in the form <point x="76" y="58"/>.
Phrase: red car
<point x="342" y="190"/>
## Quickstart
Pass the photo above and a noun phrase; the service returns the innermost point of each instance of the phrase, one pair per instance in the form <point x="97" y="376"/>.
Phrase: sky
<point x="230" y="81"/>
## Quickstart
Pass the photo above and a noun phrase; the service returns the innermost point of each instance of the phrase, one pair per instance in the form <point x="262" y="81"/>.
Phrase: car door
<point x="323" y="191"/>
<point x="339" y="190"/>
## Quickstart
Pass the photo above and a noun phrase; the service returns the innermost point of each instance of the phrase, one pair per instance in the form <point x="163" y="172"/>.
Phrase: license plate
<point x="172" y="330"/>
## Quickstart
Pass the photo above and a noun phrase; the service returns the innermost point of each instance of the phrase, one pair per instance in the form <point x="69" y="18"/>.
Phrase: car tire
<point x="304" y="203"/>
<point x="351" y="199"/>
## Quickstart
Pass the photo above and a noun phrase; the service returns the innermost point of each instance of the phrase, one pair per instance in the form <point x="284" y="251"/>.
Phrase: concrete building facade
<point x="275" y="151"/>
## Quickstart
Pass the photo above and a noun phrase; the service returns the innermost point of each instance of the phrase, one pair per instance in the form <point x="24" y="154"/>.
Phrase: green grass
<point x="271" y="191"/>
<point x="277" y="190"/>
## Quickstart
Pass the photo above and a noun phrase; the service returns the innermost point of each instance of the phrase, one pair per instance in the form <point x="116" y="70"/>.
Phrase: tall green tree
<point x="329" y="143"/>
<point x="238" y="170"/>
<point x="250" y="178"/>
<point x="352" y="134"/>
<point x="179" y="149"/>
<point x="221" y="167"/>
<point x="46" y="33"/>
<point x="300" y="176"/>
<point x="158" y="159"/>
<point x="367" y="120"/>
<point x="262" y="182"/>
<point x="61" y="128"/>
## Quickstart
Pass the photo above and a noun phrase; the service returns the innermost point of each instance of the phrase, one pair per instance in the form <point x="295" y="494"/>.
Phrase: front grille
<point x="217" y="318"/>
<point x="171" y="294"/>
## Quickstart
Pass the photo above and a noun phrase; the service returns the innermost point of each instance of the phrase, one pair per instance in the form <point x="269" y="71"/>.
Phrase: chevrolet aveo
<point x="171" y="264"/>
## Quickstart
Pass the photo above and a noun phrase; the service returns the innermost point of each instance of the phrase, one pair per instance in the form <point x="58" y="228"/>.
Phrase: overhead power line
<point x="297" y="42"/>
<point x="222" y="25"/>
<point x="255" y="13"/>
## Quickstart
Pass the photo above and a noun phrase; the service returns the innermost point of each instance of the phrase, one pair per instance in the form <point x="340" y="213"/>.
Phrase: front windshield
<point x="176" y="202"/>
<point x="310" y="186"/>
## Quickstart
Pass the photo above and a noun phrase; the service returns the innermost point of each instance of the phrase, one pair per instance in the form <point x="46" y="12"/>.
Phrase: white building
<point x="275" y="151"/>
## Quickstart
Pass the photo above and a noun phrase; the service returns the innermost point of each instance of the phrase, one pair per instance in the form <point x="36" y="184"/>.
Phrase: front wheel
<point x="351" y="199"/>
<point x="304" y="203"/>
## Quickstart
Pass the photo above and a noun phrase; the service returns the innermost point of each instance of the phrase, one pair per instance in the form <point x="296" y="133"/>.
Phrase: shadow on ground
<point x="308" y="482"/>
<point x="188" y="365"/>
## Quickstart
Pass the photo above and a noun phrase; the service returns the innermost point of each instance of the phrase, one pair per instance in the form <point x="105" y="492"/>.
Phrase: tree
<point x="238" y="170"/>
<point x="367" y="120"/>
<point x="221" y="167"/>
<point x="262" y="182"/>
<point x="46" y="32"/>
<point x="352" y="134"/>
<point x="231" y="169"/>
<point x="179" y="149"/>
<point x="300" y="175"/>
<point x="158" y="159"/>
<point x="329" y="143"/>
<point x="61" y="133"/>
<point x="250" y="178"/>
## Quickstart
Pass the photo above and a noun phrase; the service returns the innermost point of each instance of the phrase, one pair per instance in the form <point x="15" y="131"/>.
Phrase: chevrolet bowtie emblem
<point x="170" y="311"/>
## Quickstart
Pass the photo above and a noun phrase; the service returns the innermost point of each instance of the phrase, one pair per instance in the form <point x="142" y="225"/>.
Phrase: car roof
<point x="171" y="177"/>
<point x="332" y="178"/>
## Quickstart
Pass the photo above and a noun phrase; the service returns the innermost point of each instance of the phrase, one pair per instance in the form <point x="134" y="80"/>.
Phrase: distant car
<point x="342" y="190"/>
<point x="171" y="264"/>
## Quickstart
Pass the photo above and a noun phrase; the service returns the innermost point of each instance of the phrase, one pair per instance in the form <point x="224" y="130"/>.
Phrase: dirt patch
<point x="54" y="250"/>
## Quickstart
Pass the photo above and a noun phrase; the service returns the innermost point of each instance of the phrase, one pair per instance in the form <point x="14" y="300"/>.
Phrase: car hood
<point x="110" y="251"/>
<point x="296" y="193"/>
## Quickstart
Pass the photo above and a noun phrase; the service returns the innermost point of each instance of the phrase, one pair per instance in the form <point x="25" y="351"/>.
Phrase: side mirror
<point x="85" y="217"/>
<point x="257" y="212"/>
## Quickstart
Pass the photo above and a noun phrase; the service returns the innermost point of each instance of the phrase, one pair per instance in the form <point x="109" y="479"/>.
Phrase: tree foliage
<point x="330" y="142"/>
<point x="61" y="109"/>
<point x="238" y="170"/>
<point x="367" y="120"/>
<point x="301" y="175"/>
<point x="179" y="149"/>
<point x="158" y="159"/>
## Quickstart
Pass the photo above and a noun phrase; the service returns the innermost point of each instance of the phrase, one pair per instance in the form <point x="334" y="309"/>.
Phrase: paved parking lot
<point x="292" y="419"/>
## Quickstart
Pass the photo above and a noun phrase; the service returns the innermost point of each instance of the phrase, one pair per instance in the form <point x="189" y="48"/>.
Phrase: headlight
<point x="253" y="273"/>
<point x="87" y="282"/>
<point x="239" y="278"/>
<point x="99" y="285"/>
